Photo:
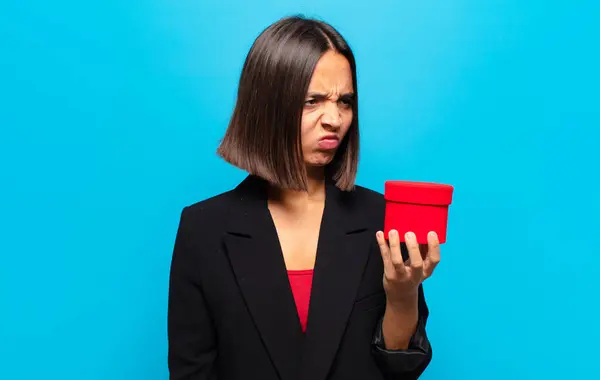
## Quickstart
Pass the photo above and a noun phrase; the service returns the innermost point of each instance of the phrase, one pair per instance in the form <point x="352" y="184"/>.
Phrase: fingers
<point x="388" y="266"/>
<point x="423" y="258"/>
<point x="414" y="253"/>
<point x="396" y="253"/>
<point x="433" y="254"/>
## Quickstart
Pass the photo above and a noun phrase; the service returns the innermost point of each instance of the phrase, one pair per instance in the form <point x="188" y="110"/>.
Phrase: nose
<point x="331" y="118"/>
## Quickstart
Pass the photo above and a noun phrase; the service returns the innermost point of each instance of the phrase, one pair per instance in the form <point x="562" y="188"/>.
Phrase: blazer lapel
<point x="343" y="248"/>
<point x="255" y="254"/>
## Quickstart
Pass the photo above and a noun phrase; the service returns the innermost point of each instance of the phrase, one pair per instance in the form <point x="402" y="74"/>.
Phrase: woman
<point x="288" y="275"/>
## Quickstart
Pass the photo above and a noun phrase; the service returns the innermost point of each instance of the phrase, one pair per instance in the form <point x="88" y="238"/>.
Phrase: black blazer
<point x="231" y="312"/>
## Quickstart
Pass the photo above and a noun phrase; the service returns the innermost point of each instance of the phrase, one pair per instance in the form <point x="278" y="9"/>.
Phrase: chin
<point x="319" y="162"/>
<point x="321" y="159"/>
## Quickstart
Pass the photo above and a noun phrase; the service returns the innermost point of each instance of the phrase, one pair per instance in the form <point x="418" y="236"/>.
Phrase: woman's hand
<point x="401" y="279"/>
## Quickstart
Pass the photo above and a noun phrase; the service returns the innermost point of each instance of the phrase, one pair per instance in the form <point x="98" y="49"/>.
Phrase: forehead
<point x="332" y="74"/>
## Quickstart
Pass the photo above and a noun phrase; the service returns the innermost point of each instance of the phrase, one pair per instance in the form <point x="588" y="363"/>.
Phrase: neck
<point x="315" y="192"/>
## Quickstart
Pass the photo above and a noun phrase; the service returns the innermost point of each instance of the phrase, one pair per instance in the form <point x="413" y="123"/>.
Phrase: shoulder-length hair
<point x="263" y="136"/>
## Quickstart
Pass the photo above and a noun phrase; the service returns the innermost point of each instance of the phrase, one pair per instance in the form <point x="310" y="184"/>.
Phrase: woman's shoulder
<point x="365" y="198"/>
<point x="208" y="208"/>
<point x="369" y="196"/>
<point x="217" y="205"/>
<point x="367" y="203"/>
<point x="214" y="208"/>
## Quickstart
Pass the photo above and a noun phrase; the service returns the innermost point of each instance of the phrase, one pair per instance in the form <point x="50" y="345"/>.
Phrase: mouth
<point x="329" y="142"/>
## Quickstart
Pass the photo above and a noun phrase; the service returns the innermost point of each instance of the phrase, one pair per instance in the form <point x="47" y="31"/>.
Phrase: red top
<point x="301" y="283"/>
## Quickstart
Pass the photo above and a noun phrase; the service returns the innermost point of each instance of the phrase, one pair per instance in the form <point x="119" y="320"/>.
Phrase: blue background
<point x="110" y="113"/>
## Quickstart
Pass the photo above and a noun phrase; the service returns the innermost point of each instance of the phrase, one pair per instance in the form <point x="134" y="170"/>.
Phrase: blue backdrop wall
<point x="110" y="113"/>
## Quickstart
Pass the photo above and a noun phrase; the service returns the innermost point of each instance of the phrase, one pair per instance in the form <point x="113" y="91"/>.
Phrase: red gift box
<point x="419" y="207"/>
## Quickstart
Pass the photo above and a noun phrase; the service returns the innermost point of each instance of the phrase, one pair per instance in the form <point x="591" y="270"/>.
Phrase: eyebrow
<point x="322" y="95"/>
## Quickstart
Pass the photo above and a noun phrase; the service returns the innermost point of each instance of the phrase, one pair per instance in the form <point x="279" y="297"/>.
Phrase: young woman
<point x="288" y="276"/>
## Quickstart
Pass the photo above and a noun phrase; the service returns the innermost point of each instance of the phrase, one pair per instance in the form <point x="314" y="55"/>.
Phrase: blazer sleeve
<point x="409" y="363"/>
<point x="191" y="335"/>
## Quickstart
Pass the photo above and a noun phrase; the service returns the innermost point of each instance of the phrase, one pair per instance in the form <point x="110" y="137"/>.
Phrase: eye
<point x="346" y="102"/>
<point x="310" y="102"/>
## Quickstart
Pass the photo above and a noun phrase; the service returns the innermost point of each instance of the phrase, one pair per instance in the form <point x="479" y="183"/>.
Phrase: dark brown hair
<point x="263" y="136"/>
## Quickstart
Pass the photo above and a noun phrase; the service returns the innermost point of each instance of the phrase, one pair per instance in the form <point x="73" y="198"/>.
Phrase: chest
<point x="298" y="236"/>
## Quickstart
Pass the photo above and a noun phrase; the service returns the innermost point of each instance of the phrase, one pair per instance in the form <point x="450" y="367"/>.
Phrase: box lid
<point x="428" y="193"/>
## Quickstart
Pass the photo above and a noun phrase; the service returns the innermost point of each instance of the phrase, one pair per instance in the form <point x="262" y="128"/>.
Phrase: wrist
<point x="399" y="323"/>
<point x="404" y="305"/>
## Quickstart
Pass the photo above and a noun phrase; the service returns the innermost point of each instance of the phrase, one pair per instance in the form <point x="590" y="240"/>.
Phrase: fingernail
<point x="393" y="233"/>
<point x="379" y="234"/>
<point x="432" y="234"/>
<point x="409" y="235"/>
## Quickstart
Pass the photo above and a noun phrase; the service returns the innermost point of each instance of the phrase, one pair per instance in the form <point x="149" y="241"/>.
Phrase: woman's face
<point x="327" y="113"/>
